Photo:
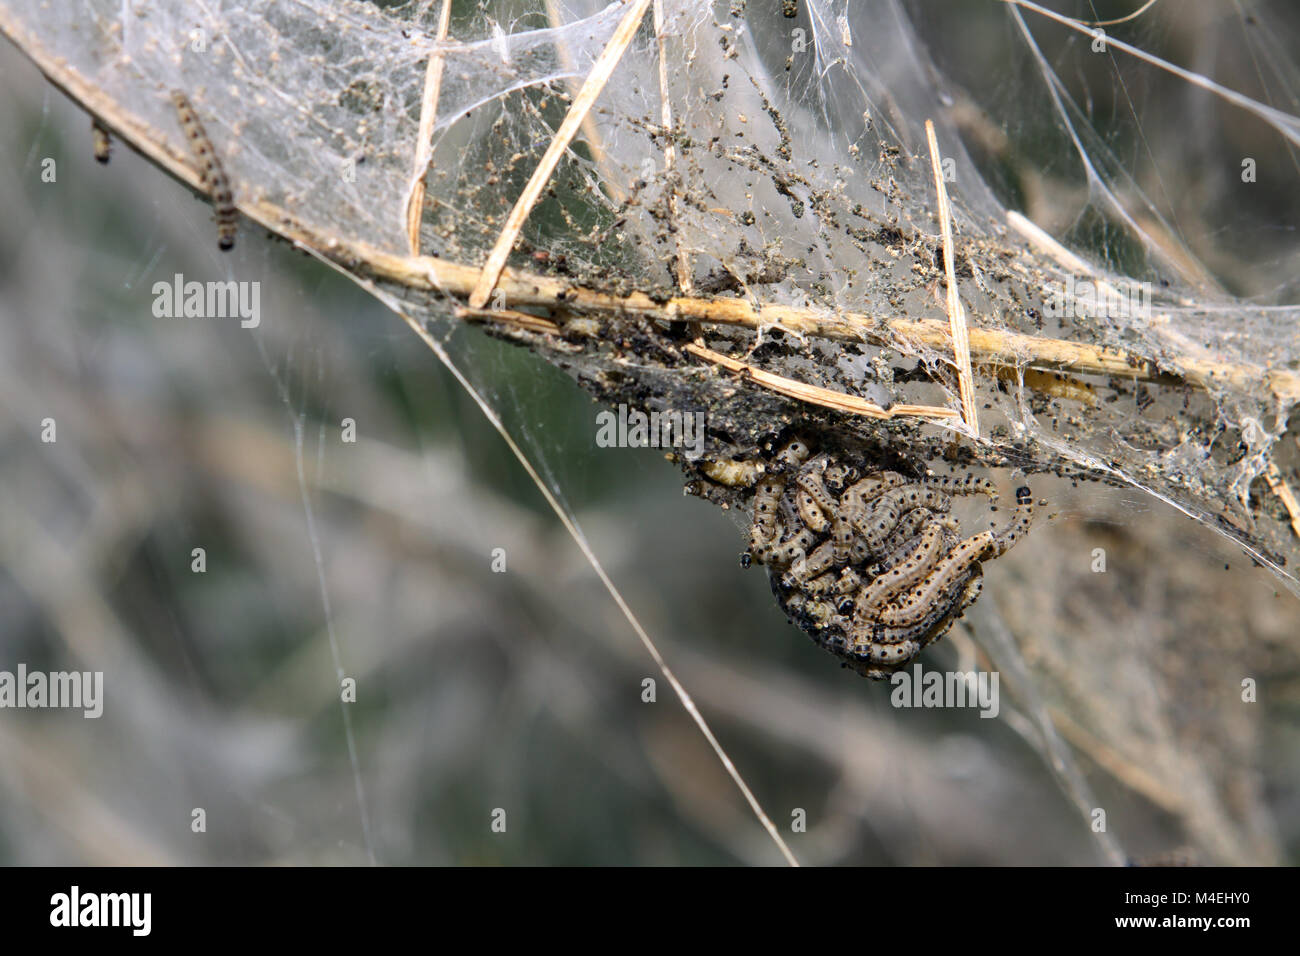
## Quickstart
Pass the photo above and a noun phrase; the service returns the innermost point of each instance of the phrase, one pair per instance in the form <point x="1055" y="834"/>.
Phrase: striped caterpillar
<point x="213" y="173"/>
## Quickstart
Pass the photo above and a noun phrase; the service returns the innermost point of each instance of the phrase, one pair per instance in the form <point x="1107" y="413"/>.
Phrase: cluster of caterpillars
<point x="873" y="568"/>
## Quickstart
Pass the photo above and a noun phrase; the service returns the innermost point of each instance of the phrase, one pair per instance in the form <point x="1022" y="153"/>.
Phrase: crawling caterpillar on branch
<point x="214" y="177"/>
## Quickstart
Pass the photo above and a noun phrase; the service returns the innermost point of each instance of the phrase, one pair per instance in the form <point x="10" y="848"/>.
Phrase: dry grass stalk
<point x="600" y="73"/>
<point x="816" y="395"/>
<point x="956" y="311"/>
<point x="424" y="147"/>
<point x="1280" y="488"/>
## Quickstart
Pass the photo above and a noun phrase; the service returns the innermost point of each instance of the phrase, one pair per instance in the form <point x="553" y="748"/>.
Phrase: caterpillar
<point x="877" y="525"/>
<point x="213" y="173"/>
<point x="908" y="571"/>
<point x="101" y="142"/>
<point x="914" y="606"/>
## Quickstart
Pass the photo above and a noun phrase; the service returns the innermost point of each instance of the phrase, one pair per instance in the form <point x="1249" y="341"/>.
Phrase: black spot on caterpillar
<point x="213" y="173"/>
